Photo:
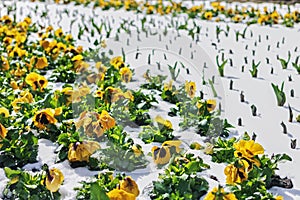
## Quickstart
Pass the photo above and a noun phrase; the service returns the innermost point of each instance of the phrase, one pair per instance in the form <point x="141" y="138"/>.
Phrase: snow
<point x="257" y="91"/>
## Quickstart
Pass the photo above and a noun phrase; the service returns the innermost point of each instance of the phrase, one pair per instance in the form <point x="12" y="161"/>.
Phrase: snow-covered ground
<point x="257" y="91"/>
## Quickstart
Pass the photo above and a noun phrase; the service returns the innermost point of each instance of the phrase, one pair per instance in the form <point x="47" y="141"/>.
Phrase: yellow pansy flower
<point x="36" y="81"/>
<point x="237" y="18"/>
<point x="58" y="32"/>
<point x="248" y="149"/>
<point x="27" y="20"/>
<point x="44" y="117"/>
<point x="210" y="104"/>
<point x="117" y="62"/>
<point x="190" y="88"/>
<point x="219" y="194"/>
<point x="130" y="186"/>
<point x="54" y="179"/>
<point x="99" y="93"/>
<point x="77" y="58"/>
<point x="6" y="19"/>
<point x="4" y="112"/>
<point x="208" y="15"/>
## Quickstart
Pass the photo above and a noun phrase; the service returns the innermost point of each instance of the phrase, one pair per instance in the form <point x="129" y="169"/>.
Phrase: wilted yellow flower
<point x="172" y="144"/>
<point x="103" y="44"/>
<point x="81" y="151"/>
<point x="26" y="97"/>
<point x="128" y="95"/>
<point x="81" y="66"/>
<point x="117" y="194"/>
<point x="101" y="68"/>
<point x="116" y="94"/>
<point x="54" y="179"/>
<point x="25" y="94"/>
<point x="4" y="64"/>
<point x="41" y="63"/>
<point x="137" y="150"/>
<point x="168" y="86"/>
<point x="161" y="155"/>
<point x="14" y="85"/>
<point x="126" y="74"/>
<point x="44" y="117"/>
<point x="19" y="72"/>
<point x="209" y="149"/>
<point x="3" y="132"/>
<point x="235" y="175"/>
<point x="130" y="186"/>
<point x="90" y="123"/>
<point x="107" y="122"/>
<point x="196" y="146"/>
<point x="164" y="122"/>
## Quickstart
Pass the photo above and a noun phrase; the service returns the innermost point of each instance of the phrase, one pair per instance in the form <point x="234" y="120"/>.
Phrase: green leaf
<point x="285" y="157"/>
<point x="10" y="173"/>
<point x="97" y="193"/>
<point x="193" y="166"/>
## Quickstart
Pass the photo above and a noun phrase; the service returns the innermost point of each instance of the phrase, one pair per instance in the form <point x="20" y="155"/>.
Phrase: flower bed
<point x="127" y="120"/>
